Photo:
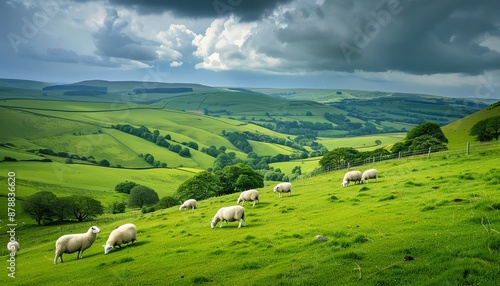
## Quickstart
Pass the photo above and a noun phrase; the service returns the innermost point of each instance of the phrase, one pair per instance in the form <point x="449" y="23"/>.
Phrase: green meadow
<point x="426" y="222"/>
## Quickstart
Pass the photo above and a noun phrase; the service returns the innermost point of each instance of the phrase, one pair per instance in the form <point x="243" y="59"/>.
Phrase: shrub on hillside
<point x="201" y="186"/>
<point x="142" y="196"/>
<point x="40" y="206"/>
<point x="167" y="202"/>
<point x="125" y="187"/>
<point x="83" y="207"/>
<point x="487" y="129"/>
<point x="118" y="208"/>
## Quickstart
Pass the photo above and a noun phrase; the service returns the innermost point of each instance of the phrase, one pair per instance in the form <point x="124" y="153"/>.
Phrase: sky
<point x="446" y="47"/>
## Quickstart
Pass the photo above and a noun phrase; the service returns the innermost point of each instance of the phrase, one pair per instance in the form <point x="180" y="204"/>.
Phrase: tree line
<point x="160" y="140"/>
<point x="423" y="136"/>
<point x="46" y="207"/>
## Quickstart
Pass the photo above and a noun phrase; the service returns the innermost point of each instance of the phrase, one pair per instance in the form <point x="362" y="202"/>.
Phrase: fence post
<point x="468" y="148"/>
<point x="348" y="165"/>
<point x="373" y="160"/>
<point x="399" y="155"/>
<point x="429" y="154"/>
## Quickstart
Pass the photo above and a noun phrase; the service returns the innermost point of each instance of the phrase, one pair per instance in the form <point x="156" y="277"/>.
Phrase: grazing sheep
<point x="369" y="174"/>
<point x="188" y="204"/>
<point x="320" y="237"/>
<point x="354" y="176"/>
<point x="13" y="247"/>
<point x="228" y="214"/>
<point x="121" y="235"/>
<point x="284" y="187"/>
<point x="70" y="243"/>
<point x="248" y="196"/>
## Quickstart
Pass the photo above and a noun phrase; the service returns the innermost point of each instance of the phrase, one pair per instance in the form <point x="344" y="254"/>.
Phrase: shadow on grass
<point x="135" y="244"/>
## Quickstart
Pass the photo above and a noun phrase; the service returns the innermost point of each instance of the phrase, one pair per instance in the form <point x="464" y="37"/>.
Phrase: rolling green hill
<point x="378" y="111"/>
<point x="415" y="226"/>
<point x="458" y="131"/>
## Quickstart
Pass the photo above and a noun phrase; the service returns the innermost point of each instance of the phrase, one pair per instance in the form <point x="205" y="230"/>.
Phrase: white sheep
<point x="284" y="187"/>
<point x="229" y="214"/>
<point x="70" y="243"/>
<point x="121" y="235"/>
<point x="189" y="204"/>
<point x="248" y="196"/>
<point x="13" y="247"/>
<point x="369" y="174"/>
<point x="351" y="176"/>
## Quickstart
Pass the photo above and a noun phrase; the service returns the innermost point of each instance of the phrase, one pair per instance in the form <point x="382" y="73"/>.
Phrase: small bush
<point x="9" y="159"/>
<point x="118" y="208"/>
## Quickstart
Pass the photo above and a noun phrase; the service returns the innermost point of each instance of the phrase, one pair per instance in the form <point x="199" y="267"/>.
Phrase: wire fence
<point x="474" y="148"/>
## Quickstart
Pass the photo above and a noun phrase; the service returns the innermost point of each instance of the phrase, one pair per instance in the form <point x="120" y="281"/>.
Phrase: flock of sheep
<point x="127" y="233"/>
<point x="358" y="177"/>
<point x="79" y="242"/>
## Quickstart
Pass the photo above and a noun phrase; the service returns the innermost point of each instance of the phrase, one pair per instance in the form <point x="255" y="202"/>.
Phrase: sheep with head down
<point x="284" y="187"/>
<point x="351" y="176"/>
<point x="124" y="234"/>
<point x="78" y="242"/>
<point x="229" y="214"/>
<point x="369" y="174"/>
<point x="248" y="196"/>
<point x="189" y="204"/>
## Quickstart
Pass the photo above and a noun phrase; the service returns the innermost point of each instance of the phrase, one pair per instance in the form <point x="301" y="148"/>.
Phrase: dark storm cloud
<point x="418" y="37"/>
<point x="110" y="41"/>
<point x="248" y="10"/>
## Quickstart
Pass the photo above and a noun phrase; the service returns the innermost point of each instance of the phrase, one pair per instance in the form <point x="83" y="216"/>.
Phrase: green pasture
<point x="427" y="222"/>
<point x="306" y="165"/>
<point x="98" y="182"/>
<point x="458" y="132"/>
<point x="270" y="149"/>
<point x="362" y="143"/>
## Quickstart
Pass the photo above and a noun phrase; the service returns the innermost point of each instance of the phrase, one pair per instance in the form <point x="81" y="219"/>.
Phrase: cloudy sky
<point x="445" y="47"/>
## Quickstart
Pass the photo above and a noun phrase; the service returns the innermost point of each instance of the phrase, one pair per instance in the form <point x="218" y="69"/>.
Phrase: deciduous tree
<point x="141" y="196"/>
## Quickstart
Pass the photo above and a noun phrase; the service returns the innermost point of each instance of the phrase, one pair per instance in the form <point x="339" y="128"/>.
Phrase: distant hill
<point x="457" y="132"/>
<point x="331" y="113"/>
<point x="23" y="84"/>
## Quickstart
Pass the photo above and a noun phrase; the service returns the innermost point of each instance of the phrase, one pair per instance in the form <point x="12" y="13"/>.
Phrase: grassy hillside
<point x="458" y="131"/>
<point x="427" y="221"/>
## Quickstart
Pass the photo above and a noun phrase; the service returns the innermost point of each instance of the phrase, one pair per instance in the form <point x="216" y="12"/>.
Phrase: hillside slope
<point x="458" y="132"/>
<point x="427" y="221"/>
